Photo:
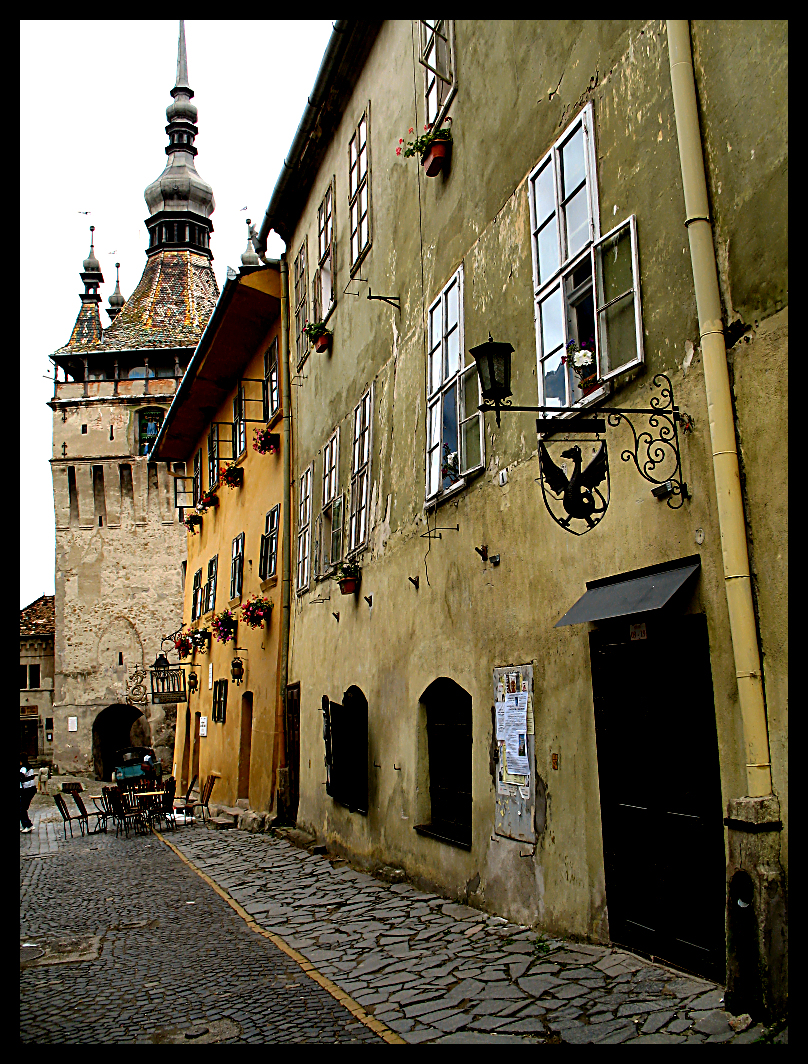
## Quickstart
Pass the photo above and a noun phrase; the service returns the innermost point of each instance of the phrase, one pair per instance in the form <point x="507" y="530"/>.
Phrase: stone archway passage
<point x="115" y="728"/>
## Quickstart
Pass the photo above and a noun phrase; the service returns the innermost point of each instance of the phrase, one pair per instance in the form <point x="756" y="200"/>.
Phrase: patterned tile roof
<point x="39" y="618"/>
<point x="169" y="307"/>
<point x="87" y="331"/>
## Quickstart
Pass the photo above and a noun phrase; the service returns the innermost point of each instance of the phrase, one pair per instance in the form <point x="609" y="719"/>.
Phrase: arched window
<point x="149" y="422"/>
<point x="448" y="734"/>
<point x="345" y="729"/>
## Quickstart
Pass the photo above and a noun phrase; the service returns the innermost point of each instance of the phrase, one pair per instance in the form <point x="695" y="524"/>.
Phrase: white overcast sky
<point x="92" y="118"/>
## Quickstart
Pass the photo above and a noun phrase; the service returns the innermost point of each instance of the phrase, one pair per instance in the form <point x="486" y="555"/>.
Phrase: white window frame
<point x="359" y="209"/>
<point x="555" y="291"/>
<point x="440" y="384"/>
<point x="433" y="75"/>
<point x="301" y="284"/>
<point x="330" y="520"/>
<point x="268" y="561"/>
<point x="237" y="567"/>
<point x="304" y="529"/>
<point x="325" y="255"/>
<point x="362" y="438"/>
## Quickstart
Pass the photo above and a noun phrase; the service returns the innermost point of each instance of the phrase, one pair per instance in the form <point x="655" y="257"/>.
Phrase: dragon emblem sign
<point x="575" y="485"/>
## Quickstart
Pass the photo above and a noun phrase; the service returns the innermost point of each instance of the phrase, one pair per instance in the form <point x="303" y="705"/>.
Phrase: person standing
<point x="27" y="789"/>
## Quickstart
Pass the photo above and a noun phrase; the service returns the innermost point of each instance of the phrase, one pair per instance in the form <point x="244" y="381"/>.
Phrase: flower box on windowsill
<point x="232" y="476"/>
<point x="589" y="385"/>
<point x="348" y="585"/>
<point x="322" y="342"/>
<point x="436" y="157"/>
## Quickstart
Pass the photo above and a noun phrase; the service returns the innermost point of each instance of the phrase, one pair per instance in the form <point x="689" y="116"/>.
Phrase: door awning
<point x="640" y="591"/>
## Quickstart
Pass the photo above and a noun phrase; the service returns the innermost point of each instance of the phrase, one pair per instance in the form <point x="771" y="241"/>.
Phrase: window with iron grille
<point x="324" y="277"/>
<point x="210" y="586"/>
<point x="268" y="564"/>
<point x="301" y="308"/>
<point x="437" y="58"/>
<point x="213" y="456"/>
<point x="197" y="593"/>
<point x="197" y="477"/>
<point x="239" y="423"/>
<point x="219" y="713"/>
<point x="272" y="395"/>
<point x="149" y="422"/>
<point x="454" y="425"/>
<point x="586" y="287"/>
<point x="329" y="532"/>
<point x="360" y="473"/>
<point x="237" y="566"/>
<point x="359" y="190"/>
<point x="304" y="531"/>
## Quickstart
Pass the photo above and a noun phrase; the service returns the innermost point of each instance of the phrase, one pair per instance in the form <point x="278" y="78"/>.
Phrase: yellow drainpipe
<point x="286" y="509"/>
<point x="731" y="521"/>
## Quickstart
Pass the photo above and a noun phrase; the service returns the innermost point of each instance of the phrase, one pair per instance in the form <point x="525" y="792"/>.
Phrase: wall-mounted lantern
<point x="193" y="682"/>
<point x="237" y="670"/>
<point x="494" y="368"/>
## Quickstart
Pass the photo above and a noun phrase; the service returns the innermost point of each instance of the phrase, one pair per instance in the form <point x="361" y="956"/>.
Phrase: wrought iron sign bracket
<point x="654" y="452"/>
<point x="394" y="301"/>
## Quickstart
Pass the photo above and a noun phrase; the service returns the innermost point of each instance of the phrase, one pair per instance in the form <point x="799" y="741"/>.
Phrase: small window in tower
<point x="120" y="657"/>
<point x="112" y="432"/>
<point x="84" y="430"/>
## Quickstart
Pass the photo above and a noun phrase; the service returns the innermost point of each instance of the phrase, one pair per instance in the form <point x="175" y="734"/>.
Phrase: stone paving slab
<point x="438" y="971"/>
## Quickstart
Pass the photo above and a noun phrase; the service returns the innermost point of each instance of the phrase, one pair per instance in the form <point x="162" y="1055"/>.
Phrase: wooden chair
<point x="67" y="818"/>
<point x="204" y="796"/>
<point x="185" y="805"/>
<point x="126" y="814"/>
<point x="167" y="804"/>
<point x="101" y="821"/>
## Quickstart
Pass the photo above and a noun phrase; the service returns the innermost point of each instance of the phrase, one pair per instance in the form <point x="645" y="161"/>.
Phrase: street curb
<point x="356" y="1010"/>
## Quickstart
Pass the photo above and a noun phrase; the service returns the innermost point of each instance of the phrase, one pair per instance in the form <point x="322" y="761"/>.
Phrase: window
<point x="324" y="277"/>
<point x="454" y="429"/>
<point x="448" y="733"/>
<point x="268" y="564"/>
<point x="34" y="679"/>
<point x="239" y="423"/>
<point x="329" y="538"/>
<point x="346" y="749"/>
<point x="437" y="58"/>
<point x="272" y="395"/>
<point x="149" y="422"/>
<point x="586" y="289"/>
<point x="360" y="472"/>
<point x="359" y="191"/>
<point x="237" y="567"/>
<point x="197" y="596"/>
<point x="23" y="677"/>
<point x="219" y="701"/>
<point x="304" y="531"/>
<point x="213" y="456"/>
<point x="301" y="309"/>
<point x="197" y="477"/>
<point x="210" y="586"/>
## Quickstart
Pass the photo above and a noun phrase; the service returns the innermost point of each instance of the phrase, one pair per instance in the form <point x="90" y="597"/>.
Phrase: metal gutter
<point x="729" y="496"/>
<point x="286" y="553"/>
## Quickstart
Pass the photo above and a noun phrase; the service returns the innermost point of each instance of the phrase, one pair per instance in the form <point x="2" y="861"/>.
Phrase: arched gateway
<point x="115" y="728"/>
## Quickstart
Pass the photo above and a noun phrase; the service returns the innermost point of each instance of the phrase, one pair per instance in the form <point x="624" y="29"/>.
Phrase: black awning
<point x="641" y="591"/>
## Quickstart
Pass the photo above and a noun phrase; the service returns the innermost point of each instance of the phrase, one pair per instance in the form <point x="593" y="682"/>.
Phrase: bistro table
<point x="151" y="808"/>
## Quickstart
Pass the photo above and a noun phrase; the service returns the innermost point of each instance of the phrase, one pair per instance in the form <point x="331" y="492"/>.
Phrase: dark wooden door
<point x="660" y="791"/>
<point x="293" y="749"/>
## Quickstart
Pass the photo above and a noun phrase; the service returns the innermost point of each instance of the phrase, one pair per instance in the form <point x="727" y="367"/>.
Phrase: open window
<point x="447" y="711"/>
<point x="268" y="562"/>
<point x="210" y="586"/>
<point x="324" y="293"/>
<point x="329" y="525"/>
<point x="437" y="59"/>
<point x="345" y="731"/>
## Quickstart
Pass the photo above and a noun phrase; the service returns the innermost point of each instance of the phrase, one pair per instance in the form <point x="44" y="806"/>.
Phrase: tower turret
<point x="87" y="330"/>
<point x="116" y="300"/>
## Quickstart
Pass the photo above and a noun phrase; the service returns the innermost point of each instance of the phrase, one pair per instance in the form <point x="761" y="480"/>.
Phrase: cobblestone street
<point x="138" y="947"/>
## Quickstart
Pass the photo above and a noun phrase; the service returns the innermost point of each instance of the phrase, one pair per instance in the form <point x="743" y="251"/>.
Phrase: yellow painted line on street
<point x="379" y="1028"/>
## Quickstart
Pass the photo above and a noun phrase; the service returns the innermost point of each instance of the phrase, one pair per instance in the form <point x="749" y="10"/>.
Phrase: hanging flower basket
<point x="200" y="639"/>
<point x="209" y="501"/>
<point x="183" y="645"/>
<point x="254" y="612"/>
<point x="323" y="342"/>
<point x="232" y="476"/>
<point x="436" y="157"/>
<point x="223" y="626"/>
<point x="348" y="576"/>
<point x="434" y="147"/>
<point x="192" y="522"/>
<point x="266" y="442"/>
<point x="318" y="335"/>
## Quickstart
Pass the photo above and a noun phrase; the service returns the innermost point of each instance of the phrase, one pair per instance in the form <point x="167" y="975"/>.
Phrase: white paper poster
<point x="203" y="726"/>
<point x="72" y="723"/>
<point x="515" y="732"/>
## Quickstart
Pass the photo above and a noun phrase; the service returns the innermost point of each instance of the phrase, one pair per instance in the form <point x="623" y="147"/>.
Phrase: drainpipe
<point x="286" y="509"/>
<point x="731" y="519"/>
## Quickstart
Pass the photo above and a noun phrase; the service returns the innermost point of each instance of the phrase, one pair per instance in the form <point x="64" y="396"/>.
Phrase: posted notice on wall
<point x="203" y="726"/>
<point x="72" y="723"/>
<point x="511" y="723"/>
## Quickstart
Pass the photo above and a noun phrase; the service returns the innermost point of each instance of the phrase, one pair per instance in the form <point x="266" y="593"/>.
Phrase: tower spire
<point x="182" y="61"/>
<point x="116" y="300"/>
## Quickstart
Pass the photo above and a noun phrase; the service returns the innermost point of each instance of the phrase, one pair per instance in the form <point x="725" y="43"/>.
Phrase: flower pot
<point x="436" y="157"/>
<point x="322" y="343"/>
<point x="348" y="585"/>
<point x="589" y="384"/>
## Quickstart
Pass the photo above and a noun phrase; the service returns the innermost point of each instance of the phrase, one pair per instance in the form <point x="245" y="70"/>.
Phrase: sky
<point x="93" y="98"/>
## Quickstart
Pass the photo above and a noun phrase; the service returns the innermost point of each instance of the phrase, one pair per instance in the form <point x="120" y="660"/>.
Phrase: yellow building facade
<point x="229" y="405"/>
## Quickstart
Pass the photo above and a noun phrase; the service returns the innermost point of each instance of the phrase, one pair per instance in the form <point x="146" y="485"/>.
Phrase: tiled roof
<point x="87" y="331"/>
<point x="169" y="307"/>
<point x="39" y="618"/>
